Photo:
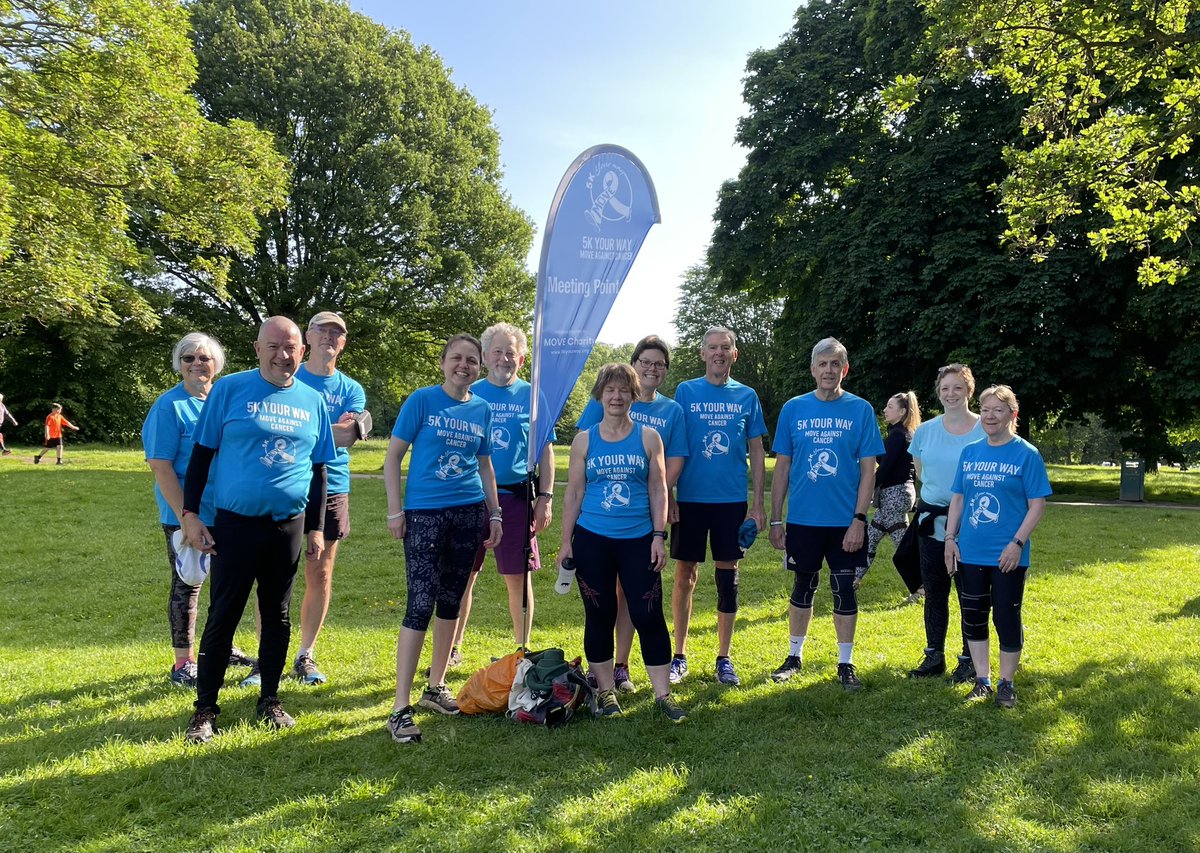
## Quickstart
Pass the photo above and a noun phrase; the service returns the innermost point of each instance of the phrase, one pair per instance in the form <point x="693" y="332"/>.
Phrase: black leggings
<point x="987" y="588"/>
<point x="183" y="602"/>
<point x="249" y="549"/>
<point x="937" y="594"/>
<point x="439" y="553"/>
<point x="599" y="562"/>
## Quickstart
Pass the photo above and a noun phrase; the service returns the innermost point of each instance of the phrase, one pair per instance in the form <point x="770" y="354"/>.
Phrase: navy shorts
<point x="708" y="523"/>
<point x="807" y="547"/>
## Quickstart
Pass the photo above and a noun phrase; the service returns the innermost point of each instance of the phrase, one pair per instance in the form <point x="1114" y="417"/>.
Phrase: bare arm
<point x="543" y="507"/>
<point x="495" y="523"/>
<point x="168" y="484"/>
<point x="345" y="431"/>
<point x="674" y="469"/>
<point x="758" y="474"/>
<point x="656" y="485"/>
<point x="779" y="491"/>
<point x="397" y="447"/>
<point x="953" y="521"/>
<point x="573" y="500"/>
<point x="856" y="533"/>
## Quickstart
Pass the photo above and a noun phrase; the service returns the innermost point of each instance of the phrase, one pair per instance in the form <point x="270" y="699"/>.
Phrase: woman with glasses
<point x="651" y="360"/>
<point x="167" y="438"/>
<point x="935" y="449"/>
<point x="1000" y="490"/>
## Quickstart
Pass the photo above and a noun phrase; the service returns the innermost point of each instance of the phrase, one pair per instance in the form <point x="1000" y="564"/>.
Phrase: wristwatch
<point x="860" y="516"/>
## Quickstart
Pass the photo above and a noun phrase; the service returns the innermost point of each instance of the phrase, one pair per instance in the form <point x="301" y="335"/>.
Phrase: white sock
<point x="796" y="645"/>
<point x="845" y="652"/>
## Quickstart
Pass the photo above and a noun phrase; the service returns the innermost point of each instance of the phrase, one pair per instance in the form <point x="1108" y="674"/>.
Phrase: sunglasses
<point x="188" y="359"/>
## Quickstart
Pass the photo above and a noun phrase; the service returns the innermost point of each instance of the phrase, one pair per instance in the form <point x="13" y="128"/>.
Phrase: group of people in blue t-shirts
<point x="253" y="470"/>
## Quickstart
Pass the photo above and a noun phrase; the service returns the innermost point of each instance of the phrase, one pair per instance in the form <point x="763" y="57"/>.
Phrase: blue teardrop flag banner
<point x="600" y="216"/>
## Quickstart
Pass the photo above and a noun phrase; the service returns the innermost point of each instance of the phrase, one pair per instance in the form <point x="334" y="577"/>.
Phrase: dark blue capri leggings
<point x="599" y="562"/>
<point x="987" y="588"/>
<point x="439" y="552"/>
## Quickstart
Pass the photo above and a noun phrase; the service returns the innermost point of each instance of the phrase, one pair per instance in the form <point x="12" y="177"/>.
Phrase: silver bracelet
<point x="394" y="516"/>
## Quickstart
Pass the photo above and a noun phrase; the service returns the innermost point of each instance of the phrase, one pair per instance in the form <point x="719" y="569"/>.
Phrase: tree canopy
<point x="885" y="230"/>
<point x="100" y="137"/>
<point x="1112" y="115"/>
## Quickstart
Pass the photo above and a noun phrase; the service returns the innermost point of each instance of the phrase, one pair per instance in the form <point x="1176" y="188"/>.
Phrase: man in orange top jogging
<point x="54" y="424"/>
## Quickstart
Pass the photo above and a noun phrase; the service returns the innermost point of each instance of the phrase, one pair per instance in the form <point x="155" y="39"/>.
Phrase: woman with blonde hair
<point x="1000" y="492"/>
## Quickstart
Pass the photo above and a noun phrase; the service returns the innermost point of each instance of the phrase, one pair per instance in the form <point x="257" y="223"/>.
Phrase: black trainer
<point x="848" y="678"/>
<point x="964" y="673"/>
<point x="402" y="728"/>
<point x="791" y="666"/>
<point x="981" y="690"/>
<point x="202" y="726"/>
<point x="1006" y="694"/>
<point x="271" y="713"/>
<point x="934" y="663"/>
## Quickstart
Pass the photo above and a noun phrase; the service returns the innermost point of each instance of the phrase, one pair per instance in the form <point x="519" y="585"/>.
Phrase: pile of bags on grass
<point x="542" y="688"/>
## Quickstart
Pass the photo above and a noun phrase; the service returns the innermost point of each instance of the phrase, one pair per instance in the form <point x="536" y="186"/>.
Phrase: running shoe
<point x="726" y="674"/>
<point x="1006" y="694"/>
<point x="202" y="726"/>
<point x="916" y="596"/>
<point x="456" y="658"/>
<point x="848" y="678"/>
<point x="791" y="666"/>
<point x="933" y="664"/>
<point x="270" y="713"/>
<point x="439" y="698"/>
<point x="239" y="658"/>
<point x="8" y="453"/>
<point x="671" y="709"/>
<point x="981" y="690"/>
<point x="401" y="727"/>
<point x="37" y="460"/>
<point x="254" y="679"/>
<point x="964" y="673"/>
<point x="607" y="705"/>
<point x="185" y="676"/>
<point x="621" y="678"/>
<point x="679" y="669"/>
<point x="305" y="669"/>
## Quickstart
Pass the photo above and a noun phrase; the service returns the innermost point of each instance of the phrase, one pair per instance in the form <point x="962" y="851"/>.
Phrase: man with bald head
<point x="270" y="438"/>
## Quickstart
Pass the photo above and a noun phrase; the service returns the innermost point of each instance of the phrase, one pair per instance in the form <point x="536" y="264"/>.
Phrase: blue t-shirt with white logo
<point x="719" y="421"/>
<point x="267" y="439"/>
<point x="167" y="433"/>
<point x="662" y="414"/>
<point x="446" y="438"/>
<point x="341" y="394"/>
<point x="826" y="441"/>
<point x="616" y="500"/>
<point x="997" y="484"/>
<point x="938" y="449"/>
<point x="510" y="428"/>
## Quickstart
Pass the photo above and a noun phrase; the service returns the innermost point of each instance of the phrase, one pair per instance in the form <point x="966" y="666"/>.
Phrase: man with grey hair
<point x="724" y="424"/>
<point x="826" y="442"/>
<point x="5" y="415"/>
<point x="269" y="438"/>
<point x="344" y="400"/>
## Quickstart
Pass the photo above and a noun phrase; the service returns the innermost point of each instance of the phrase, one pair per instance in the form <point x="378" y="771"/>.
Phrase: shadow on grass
<point x="1113" y="746"/>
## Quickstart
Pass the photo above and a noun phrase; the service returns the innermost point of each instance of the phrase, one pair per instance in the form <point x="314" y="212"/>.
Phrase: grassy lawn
<point x="1102" y="753"/>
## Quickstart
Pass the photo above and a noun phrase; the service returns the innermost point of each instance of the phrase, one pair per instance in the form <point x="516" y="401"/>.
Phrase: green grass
<point x="1103" y="752"/>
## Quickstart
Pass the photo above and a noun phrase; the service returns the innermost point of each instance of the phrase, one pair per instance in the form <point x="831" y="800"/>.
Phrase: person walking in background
<point x="269" y="438"/>
<point x="54" y="438"/>
<point x="5" y="415"/>
<point x="439" y="511"/>
<point x="999" y="496"/>
<point x="344" y="398"/>
<point x="505" y="348"/>
<point x="724" y="426"/>
<point x="894" y="480"/>
<point x="650" y="360"/>
<point x="168" y="436"/>
<point x="614" y="526"/>
<point x="826" y="444"/>
<point x="935" y="449"/>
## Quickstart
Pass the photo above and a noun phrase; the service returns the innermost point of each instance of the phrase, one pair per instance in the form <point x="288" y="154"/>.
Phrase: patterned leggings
<point x="183" y="602"/>
<point x="439" y="552"/>
<point x="895" y="503"/>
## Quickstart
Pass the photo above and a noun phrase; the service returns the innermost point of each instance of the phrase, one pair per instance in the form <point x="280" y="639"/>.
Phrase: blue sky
<point x="663" y="79"/>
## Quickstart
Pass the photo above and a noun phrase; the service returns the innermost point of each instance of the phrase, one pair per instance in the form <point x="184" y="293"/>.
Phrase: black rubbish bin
<point x="1133" y="480"/>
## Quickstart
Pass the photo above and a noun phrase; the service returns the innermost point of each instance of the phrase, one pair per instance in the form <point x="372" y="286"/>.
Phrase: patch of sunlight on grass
<point x="706" y="814"/>
<point x="1067" y="731"/>
<point x="924" y="754"/>
<point x="624" y="797"/>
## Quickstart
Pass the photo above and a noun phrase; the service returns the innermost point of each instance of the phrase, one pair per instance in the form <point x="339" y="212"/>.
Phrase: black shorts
<point x="54" y="442"/>
<point x="708" y="523"/>
<point x="337" y="517"/>
<point x="806" y="547"/>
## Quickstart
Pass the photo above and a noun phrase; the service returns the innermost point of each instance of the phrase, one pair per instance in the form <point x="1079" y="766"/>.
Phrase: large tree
<point x="885" y="231"/>
<point x="99" y="136"/>
<point x="1112" y="116"/>
<point x="395" y="216"/>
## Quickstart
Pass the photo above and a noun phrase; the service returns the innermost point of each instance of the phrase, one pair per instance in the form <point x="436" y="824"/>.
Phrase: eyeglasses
<point x="188" y="359"/>
<point x="996" y="412"/>
<point x="652" y="365"/>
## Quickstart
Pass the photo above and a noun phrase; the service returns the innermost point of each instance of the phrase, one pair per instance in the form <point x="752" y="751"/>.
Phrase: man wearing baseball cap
<point x="346" y="402"/>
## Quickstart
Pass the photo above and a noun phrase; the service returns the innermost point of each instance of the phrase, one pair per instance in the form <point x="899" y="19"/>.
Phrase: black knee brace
<point x="804" y="588"/>
<point x="845" y="599"/>
<point x="727" y="590"/>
